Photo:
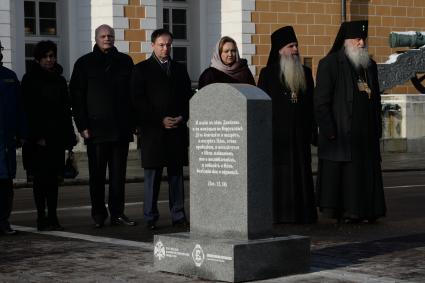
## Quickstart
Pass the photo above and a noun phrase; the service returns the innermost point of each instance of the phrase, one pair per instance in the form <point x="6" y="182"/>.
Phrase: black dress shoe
<point x="181" y="223"/>
<point x="99" y="220"/>
<point x="56" y="227"/>
<point x="151" y="225"/>
<point x="371" y="220"/>
<point x="54" y="224"/>
<point x="122" y="220"/>
<point x="352" y="220"/>
<point x="98" y="224"/>
<point x="8" y="231"/>
<point x="42" y="224"/>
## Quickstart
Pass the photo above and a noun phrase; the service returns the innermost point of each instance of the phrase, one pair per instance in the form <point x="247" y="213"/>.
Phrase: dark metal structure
<point x="408" y="65"/>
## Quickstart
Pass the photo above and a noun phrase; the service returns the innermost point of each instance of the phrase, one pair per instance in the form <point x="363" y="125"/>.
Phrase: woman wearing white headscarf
<point x="226" y="65"/>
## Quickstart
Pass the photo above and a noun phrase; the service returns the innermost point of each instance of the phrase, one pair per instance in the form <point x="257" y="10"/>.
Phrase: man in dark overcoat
<point x="290" y="86"/>
<point x="161" y="90"/>
<point x="12" y="128"/>
<point x="100" y="90"/>
<point x="348" y="112"/>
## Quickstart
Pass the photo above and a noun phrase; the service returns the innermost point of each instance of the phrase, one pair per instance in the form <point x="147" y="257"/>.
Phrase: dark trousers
<point x="45" y="189"/>
<point x="48" y="163"/>
<point x="6" y="202"/>
<point x="111" y="155"/>
<point x="175" y="192"/>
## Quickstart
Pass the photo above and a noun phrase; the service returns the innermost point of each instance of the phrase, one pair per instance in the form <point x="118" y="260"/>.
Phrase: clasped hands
<point x="172" y="122"/>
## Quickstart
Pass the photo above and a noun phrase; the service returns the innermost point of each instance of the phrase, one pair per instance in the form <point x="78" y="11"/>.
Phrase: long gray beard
<point x="359" y="57"/>
<point x="292" y="73"/>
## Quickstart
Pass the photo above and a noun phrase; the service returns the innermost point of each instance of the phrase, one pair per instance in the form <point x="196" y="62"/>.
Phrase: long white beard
<point x="292" y="73"/>
<point x="359" y="57"/>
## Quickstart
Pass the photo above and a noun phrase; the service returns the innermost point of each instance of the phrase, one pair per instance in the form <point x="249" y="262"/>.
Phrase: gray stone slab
<point x="231" y="260"/>
<point x="230" y="162"/>
<point x="231" y="194"/>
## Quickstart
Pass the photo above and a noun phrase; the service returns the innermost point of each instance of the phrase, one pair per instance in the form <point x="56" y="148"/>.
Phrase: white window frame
<point x="32" y="39"/>
<point x="168" y="4"/>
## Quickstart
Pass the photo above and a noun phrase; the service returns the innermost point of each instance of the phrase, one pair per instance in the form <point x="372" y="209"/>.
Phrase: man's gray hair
<point x="101" y="27"/>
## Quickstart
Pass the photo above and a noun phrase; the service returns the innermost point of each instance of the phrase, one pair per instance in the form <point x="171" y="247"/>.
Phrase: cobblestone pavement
<point x="391" y="250"/>
<point x="49" y="258"/>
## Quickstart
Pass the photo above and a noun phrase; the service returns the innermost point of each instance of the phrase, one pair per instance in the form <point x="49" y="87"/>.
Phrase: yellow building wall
<point x="135" y="35"/>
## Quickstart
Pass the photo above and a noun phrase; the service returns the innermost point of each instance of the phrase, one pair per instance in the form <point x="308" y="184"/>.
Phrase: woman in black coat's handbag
<point x="50" y="129"/>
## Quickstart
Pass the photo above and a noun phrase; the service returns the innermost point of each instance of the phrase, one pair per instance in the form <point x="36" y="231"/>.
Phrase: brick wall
<point x="135" y="35"/>
<point x="316" y="23"/>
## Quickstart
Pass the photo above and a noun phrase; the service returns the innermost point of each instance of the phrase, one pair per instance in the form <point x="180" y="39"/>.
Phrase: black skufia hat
<point x="279" y="39"/>
<point x="354" y="29"/>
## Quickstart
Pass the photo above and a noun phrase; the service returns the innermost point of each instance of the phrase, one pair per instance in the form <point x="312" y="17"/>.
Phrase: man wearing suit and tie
<point x="161" y="90"/>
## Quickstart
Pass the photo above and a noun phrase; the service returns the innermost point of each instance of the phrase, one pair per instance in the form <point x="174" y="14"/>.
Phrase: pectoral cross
<point x="362" y="85"/>
<point x="294" y="97"/>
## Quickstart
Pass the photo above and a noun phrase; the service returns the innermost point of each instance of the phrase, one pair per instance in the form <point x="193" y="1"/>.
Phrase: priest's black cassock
<point x="294" y="129"/>
<point x="349" y="182"/>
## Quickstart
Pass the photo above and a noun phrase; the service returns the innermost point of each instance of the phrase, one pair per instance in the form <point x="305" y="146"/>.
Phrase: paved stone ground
<point x="392" y="250"/>
<point x="36" y="260"/>
<point x="47" y="258"/>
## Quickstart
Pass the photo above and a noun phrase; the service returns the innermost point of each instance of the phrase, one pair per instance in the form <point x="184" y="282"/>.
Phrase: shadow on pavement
<point x="356" y="253"/>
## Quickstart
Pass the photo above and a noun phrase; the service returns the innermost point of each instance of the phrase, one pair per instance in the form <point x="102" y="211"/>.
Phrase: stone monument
<point x="231" y="235"/>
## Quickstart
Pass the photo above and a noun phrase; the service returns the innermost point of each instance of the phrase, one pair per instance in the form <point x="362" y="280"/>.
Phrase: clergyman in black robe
<point x="348" y="111"/>
<point x="290" y="86"/>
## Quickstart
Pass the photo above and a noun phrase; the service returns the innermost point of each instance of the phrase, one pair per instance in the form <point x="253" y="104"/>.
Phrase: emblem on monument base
<point x="159" y="250"/>
<point x="198" y="255"/>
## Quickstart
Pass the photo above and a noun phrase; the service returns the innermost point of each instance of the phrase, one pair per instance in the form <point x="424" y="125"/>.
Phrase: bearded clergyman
<point x="348" y="111"/>
<point x="290" y="86"/>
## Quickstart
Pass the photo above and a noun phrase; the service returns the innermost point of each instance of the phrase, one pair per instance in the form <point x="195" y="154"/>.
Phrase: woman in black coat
<point x="226" y="65"/>
<point x="50" y="129"/>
